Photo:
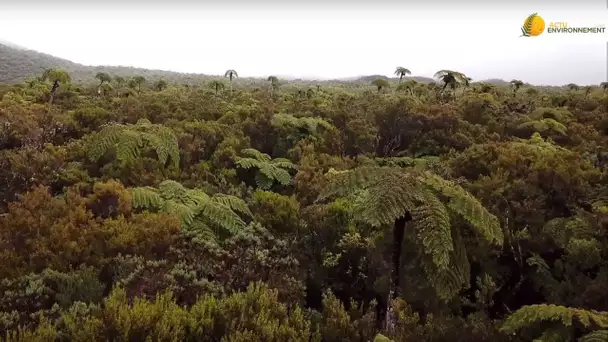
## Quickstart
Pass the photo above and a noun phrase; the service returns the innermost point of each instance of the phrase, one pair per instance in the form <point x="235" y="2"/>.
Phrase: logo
<point x="534" y="25"/>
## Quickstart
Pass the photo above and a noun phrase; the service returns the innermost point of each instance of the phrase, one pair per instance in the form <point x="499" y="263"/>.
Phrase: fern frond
<point x="263" y="182"/>
<point x="542" y="277"/>
<point x="388" y="200"/>
<point x="184" y="212"/>
<point x="555" y="334"/>
<point x="130" y="140"/>
<point x="449" y="281"/>
<point x="347" y="182"/>
<point x="596" y="336"/>
<point x="202" y="230"/>
<point x="170" y="189"/>
<point x="468" y="207"/>
<point x="433" y="225"/>
<point x="535" y="314"/>
<point x="255" y="154"/>
<point x="308" y="124"/>
<point x="248" y="163"/>
<point x="275" y="173"/>
<point x="146" y="198"/>
<point x="196" y="197"/>
<point x="129" y="146"/>
<point x="233" y="202"/>
<point x="269" y="170"/>
<point x="221" y="215"/>
<point x="156" y="142"/>
<point x="104" y="140"/>
<point x="284" y="163"/>
<point x="143" y="123"/>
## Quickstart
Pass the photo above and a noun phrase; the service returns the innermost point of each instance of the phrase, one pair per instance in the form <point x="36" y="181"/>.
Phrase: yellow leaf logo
<point x="534" y="25"/>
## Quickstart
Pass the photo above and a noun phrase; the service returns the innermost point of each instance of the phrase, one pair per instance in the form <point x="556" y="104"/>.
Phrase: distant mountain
<point x="18" y="63"/>
<point x="371" y="78"/>
<point x="12" y="45"/>
<point x="496" y="81"/>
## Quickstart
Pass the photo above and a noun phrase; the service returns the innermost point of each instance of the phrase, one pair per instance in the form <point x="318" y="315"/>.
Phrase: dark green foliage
<point x="197" y="211"/>
<point x="157" y="207"/>
<point x="268" y="170"/>
<point x="128" y="142"/>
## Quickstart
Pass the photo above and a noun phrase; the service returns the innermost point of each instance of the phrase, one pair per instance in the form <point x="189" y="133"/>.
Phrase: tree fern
<point x="197" y="210"/>
<point x="269" y="170"/>
<point x="301" y="127"/>
<point x="381" y="195"/>
<point x="556" y="319"/>
<point x="467" y="206"/>
<point x="544" y="126"/>
<point x="128" y="142"/>
<point x="596" y="336"/>
<point x="542" y="278"/>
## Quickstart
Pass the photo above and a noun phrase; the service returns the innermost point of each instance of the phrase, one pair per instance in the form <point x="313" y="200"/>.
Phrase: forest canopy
<point x="137" y="208"/>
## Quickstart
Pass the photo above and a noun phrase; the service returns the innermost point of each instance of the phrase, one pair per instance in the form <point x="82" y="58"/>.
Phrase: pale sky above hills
<point x="313" y="39"/>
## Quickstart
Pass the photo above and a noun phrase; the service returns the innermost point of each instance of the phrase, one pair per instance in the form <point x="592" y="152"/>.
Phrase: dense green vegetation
<point x="139" y="210"/>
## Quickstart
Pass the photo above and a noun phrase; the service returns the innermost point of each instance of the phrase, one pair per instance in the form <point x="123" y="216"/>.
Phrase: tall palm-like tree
<point x="451" y="78"/>
<point x="588" y="90"/>
<point x="56" y="77"/>
<point x="136" y="82"/>
<point x="381" y="83"/>
<point x="119" y="80"/>
<point x="160" y="85"/>
<point x="421" y="206"/>
<point x="572" y="86"/>
<point x="231" y="73"/>
<point x="274" y="84"/>
<point x="105" y="89"/>
<point x="310" y="93"/>
<point x="103" y="78"/>
<point x="516" y="84"/>
<point x="401" y="71"/>
<point x="217" y="85"/>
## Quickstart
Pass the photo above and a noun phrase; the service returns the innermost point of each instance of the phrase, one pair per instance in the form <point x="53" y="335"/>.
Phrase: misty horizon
<point x="332" y="43"/>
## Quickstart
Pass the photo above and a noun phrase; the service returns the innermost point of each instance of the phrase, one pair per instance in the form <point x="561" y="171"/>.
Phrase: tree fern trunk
<point x="398" y="233"/>
<point x="53" y="91"/>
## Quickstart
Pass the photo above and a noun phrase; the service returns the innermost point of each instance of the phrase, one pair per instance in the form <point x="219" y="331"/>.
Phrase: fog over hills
<point x="18" y="63"/>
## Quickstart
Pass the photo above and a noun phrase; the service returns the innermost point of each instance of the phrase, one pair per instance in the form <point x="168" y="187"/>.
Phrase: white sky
<point x="316" y="40"/>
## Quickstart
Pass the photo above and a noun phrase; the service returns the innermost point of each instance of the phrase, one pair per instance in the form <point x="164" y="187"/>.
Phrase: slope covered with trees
<point x="134" y="209"/>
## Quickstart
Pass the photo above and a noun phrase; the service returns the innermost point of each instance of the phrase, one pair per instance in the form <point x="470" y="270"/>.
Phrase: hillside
<point x="18" y="63"/>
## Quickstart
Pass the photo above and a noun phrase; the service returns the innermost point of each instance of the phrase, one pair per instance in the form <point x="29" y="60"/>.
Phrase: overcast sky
<point x="315" y="39"/>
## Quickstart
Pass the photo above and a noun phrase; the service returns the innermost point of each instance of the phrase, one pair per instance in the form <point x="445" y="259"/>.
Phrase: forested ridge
<point x="152" y="210"/>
